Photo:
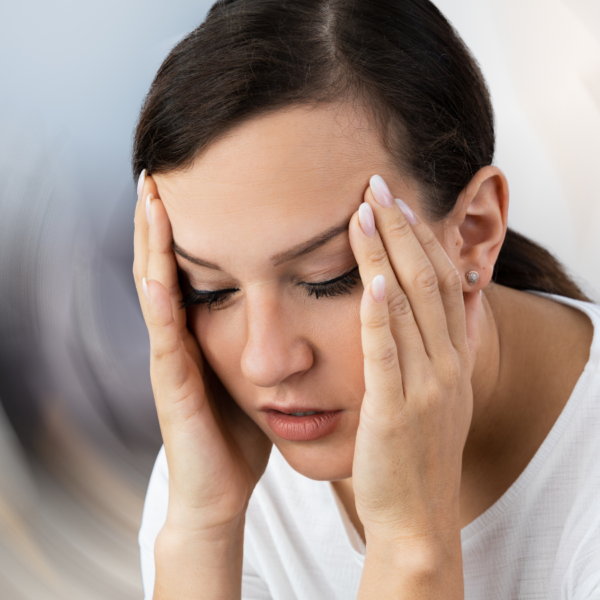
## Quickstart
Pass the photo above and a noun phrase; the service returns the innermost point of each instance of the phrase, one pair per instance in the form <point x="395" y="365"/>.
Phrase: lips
<point x="299" y="424"/>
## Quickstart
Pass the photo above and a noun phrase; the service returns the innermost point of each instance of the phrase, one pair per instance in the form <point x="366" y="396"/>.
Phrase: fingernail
<point x="148" y="202"/>
<point x="381" y="191"/>
<point x="140" y="184"/>
<point x="366" y="219"/>
<point x="407" y="212"/>
<point x="378" y="288"/>
<point x="145" y="289"/>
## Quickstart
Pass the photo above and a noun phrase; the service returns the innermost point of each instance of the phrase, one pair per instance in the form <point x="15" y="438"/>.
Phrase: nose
<point x="274" y="349"/>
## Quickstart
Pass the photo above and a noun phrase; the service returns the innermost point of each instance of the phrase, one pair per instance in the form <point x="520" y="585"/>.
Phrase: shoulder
<point x="580" y="576"/>
<point x="583" y="319"/>
<point x="153" y="519"/>
<point x="157" y="499"/>
<point x="576" y="570"/>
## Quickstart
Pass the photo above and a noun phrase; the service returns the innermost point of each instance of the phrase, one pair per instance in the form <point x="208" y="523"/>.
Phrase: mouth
<point x="300" y="413"/>
<point x="294" y="425"/>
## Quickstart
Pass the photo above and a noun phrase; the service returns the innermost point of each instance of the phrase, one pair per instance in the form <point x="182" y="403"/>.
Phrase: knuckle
<point x="138" y="276"/>
<point x="399" y="306"/>
<point x="432" y="393"/>
<point x="429" y="241"/>
<point x="164" y="248"/>
<point x="386" y="422"/>
<point x="159" y="355"/>
<point x="451" y="281"/>
<point x="425" y="281"/>
<point x="398" y="228"/>
<point x="377" y="256"/>
<point x="376" y="321"/>
<point x="451" y="370"/>
<point x="386" y="358"/>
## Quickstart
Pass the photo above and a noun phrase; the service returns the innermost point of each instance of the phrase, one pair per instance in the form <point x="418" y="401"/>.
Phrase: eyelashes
<point x="334" y="287"/>
<point x="212" y="299"/>
<point x="339" y="286"/>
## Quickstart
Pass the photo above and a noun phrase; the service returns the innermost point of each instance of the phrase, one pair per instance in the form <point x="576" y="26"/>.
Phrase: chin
<point x="322" y="460"/>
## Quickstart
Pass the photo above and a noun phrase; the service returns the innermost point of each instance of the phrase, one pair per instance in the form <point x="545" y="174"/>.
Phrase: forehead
<point x="277" y="179"/>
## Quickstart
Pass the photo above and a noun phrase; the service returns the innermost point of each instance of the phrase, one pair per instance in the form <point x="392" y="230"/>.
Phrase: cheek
<point x="222" y="338"/>
<point x="339" y="354"/>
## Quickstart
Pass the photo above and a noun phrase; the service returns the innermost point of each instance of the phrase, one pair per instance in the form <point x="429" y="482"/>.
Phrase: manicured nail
<point x="366" y="219"/>
<point x="140" y="185"/>
<point x="145" y="289"/>
<point x="148" y="202"/>
<point x="378" y="288"/>
<point x="381" y="191"/>
<point x="407" y="212"/>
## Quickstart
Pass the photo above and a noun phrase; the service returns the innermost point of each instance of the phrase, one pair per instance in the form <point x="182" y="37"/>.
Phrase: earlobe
<point x="482" y="223"/>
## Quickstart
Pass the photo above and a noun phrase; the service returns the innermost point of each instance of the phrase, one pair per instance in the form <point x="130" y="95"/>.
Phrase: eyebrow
<point x="299" y="250"/>
<point x="310" y="245"/>
<point x="194" y="259"/>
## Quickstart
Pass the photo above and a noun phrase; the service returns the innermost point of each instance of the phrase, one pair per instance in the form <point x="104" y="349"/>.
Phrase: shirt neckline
<point x="543" y="452"/>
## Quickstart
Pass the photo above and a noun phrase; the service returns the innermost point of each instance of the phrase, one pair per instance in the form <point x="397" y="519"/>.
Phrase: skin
<point x="450" y="391"/>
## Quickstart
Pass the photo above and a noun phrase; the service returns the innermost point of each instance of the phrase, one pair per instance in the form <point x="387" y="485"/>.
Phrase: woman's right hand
<point x="215" y="453"/>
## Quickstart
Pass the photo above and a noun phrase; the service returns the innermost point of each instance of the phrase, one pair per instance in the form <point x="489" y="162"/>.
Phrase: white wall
<point x="541" y="59"/>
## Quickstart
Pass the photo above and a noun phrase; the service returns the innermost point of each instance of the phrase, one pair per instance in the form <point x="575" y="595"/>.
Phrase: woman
<point x="363" y="397"/>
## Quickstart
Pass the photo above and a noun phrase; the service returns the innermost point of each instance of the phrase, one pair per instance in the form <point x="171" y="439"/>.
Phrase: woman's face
<point x="264" y="212"/>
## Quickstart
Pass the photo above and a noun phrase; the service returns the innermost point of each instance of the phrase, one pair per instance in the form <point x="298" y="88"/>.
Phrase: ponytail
<point x="524" y="265"/>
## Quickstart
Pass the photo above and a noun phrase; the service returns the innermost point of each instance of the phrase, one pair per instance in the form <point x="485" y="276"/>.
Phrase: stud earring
<point x="472" y="277"/>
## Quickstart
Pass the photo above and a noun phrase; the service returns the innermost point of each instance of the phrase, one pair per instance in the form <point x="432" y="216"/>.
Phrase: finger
<point x="448" y="278"/>
<point x="168" y="363"/>
<point x="162" y="265"/>
<point x="178" y="388"/>
<point x="414" y="272"/>
<point x="372" y="261"/>
<point x="140" y="243"/>
<point x="383" y="380"/>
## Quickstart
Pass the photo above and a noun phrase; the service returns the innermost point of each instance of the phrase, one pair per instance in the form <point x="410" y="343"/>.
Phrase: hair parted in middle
<point x="400" y="61"/>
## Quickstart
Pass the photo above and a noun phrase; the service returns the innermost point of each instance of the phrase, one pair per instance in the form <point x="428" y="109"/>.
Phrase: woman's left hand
<point x="419" y="336"/>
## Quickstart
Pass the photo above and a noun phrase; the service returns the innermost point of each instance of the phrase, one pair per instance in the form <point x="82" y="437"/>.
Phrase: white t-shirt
<point x="540" y="540"/>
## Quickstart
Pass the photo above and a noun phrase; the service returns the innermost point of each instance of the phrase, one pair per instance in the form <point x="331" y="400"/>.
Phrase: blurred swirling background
<point x="78" y="431"/>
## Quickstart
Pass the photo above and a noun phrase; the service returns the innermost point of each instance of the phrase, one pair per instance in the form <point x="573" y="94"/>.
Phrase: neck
<point x="532" y="352"/>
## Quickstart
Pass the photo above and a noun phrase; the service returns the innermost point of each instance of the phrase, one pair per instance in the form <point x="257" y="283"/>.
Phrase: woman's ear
<point x="478" y="226"/>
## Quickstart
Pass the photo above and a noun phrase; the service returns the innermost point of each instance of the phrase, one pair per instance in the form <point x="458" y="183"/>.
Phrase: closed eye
<point x="212" y="299"/>
<point x="333" y="287"/>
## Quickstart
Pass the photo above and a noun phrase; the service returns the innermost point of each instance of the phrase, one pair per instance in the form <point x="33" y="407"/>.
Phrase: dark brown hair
<point x="400" y="59"/>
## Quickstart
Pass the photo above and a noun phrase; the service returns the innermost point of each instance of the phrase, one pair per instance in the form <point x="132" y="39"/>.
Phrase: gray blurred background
<point x="78" y="431"/>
